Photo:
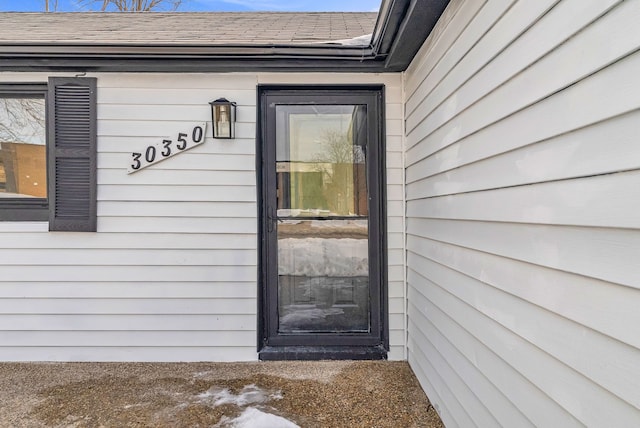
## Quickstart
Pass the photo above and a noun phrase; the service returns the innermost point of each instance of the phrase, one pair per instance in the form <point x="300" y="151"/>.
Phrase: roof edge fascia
<point x="399" y="32"/>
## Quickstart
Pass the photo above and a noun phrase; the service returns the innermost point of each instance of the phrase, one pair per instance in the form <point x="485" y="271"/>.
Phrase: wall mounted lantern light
<point x="223" y="116"/>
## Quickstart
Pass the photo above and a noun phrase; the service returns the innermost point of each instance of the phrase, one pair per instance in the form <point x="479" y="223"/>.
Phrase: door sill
<point x="284" y="353"/>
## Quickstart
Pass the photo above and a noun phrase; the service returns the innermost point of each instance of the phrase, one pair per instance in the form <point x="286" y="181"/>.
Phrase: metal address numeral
<point x="136" y="159"/>
<point x="197" y="131"/>
<point x="150" y="154"/>
<point x="167" y="149"/>
<point x="182" y="140"/>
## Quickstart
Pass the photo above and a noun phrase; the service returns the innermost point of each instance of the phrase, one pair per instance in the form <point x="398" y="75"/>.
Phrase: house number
<point x="154" y="153"/>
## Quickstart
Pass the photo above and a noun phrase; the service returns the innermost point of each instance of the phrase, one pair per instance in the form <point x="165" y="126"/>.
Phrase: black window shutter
<point x="72" y="154"/>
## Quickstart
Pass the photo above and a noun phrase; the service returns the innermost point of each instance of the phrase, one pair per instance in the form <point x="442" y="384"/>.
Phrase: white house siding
<point x="523" y="233"/>
<point x="171" y="273"/>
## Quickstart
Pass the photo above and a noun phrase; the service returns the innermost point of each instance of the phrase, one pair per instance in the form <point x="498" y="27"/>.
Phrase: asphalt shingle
<point x="200" y="28"/>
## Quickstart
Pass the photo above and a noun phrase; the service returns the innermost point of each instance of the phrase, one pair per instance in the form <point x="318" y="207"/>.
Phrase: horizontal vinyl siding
<point x="171" y="273"/>
<point x="523" y="237"/>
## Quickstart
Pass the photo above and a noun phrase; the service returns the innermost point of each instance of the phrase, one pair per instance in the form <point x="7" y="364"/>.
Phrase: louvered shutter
<point x="72" y="154"/>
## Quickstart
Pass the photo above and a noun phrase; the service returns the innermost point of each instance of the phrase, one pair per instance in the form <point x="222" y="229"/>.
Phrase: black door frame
<point x="375" y="343"/>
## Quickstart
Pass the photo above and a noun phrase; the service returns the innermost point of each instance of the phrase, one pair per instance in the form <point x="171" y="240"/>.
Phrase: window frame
<point x="27" y="209"/>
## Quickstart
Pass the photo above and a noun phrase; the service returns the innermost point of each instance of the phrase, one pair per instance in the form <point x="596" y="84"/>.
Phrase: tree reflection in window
<point x="321" y="161"/>
<point x="342" y="164"/>
<point x="23" y="169"/>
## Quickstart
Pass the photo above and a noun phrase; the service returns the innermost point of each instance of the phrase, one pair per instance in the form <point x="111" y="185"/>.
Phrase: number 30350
<point x="167" y="148"/>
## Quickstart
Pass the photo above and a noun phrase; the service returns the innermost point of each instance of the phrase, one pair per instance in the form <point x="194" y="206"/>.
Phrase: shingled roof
<point x="218" y="41"/>
<point x="199" y="28"/>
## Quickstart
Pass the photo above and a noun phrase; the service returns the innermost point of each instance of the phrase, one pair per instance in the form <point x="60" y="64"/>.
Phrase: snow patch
<point x="364" y="40"/>
<point x="250" y="394"/>
<point x="254" y="418"/>
<point x="250" y="417"/>
<point x="131" y="406"/>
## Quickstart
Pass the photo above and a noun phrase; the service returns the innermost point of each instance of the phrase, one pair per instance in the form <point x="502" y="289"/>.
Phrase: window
<point x="48" y="153"/>
<point x="23" y="154"/>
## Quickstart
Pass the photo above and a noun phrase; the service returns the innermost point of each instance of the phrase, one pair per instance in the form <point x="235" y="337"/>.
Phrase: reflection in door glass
<point x="322" y="201"/>
<point x="323" y="273"/>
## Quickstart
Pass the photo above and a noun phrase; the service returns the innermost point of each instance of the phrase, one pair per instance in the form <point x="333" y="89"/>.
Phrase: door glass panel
<point x="322" y="213"/>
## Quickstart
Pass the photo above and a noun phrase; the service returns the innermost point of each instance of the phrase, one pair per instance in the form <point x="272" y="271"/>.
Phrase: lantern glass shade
<point x="223" y="116"/>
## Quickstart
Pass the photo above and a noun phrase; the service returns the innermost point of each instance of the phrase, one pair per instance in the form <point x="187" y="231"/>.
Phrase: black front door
<point x="322" y="256"/>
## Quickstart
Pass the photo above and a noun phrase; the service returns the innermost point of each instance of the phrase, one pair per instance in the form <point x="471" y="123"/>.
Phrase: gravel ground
<point x="255" y="395"/>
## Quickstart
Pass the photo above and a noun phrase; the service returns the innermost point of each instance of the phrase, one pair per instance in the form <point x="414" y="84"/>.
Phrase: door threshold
<point x="284" y="353"/>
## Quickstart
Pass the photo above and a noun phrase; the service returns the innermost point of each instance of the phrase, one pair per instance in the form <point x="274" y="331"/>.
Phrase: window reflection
<point x="23" y="165"/>
<point x="323" y="245"/>
<point x="320" y="163"/>
<point x="323" y="276"/>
